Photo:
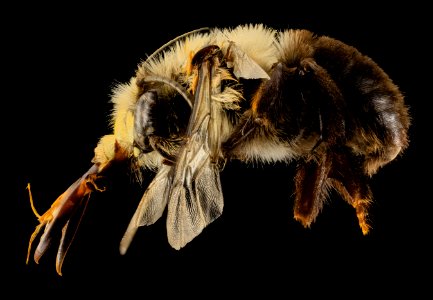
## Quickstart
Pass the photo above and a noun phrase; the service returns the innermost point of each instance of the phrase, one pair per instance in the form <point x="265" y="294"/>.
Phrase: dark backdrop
<point x="65" y="60"/>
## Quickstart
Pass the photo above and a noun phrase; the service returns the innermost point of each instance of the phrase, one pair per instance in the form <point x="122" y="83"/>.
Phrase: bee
<point x="249" y="93"/>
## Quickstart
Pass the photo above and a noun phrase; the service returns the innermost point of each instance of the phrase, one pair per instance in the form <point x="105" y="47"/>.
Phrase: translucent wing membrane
<point x="151" y="206"/>
<point x="196" y="197"/>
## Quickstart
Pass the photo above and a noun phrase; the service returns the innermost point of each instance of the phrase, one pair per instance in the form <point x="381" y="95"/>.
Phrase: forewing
<point x="196" y="197"/>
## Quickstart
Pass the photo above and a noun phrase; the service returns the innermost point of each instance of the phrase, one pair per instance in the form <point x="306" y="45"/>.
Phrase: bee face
<point x="251" y="94"/>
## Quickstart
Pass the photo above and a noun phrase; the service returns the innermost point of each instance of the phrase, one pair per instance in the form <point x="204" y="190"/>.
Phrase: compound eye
<point x="143" y="120"/>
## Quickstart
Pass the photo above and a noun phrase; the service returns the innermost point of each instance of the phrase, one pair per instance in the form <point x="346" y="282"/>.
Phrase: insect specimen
<point x="249" y="93"/>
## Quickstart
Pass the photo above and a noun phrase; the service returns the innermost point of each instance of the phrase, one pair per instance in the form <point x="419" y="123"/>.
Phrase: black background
<point x="65" y="60"/>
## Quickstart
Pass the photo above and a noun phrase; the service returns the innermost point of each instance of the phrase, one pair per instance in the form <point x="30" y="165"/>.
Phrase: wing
<point x="243" y="65"/>
<point x="150" y="208"/>
<point x="195" y="196"/>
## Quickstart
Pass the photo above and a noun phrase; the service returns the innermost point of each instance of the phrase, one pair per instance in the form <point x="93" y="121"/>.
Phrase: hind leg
<point x="311" y="188"/>
<point x="348" y="179"/>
